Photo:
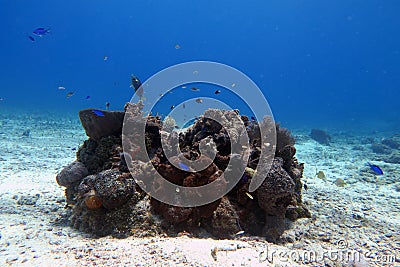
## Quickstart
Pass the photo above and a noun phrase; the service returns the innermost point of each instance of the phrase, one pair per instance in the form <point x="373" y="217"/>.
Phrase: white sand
<point x="363" y="217"/>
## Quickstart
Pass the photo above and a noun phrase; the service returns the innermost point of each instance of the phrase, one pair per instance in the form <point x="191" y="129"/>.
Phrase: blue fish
<point x="87" y="97"/>
<point x="98" y="112"/>
<point x="31" y="38"/>
<point x="183" y="166"/>
<point x="245" y="178"/>
<point x="41" y="31"/>
<point x="375" y="168"/>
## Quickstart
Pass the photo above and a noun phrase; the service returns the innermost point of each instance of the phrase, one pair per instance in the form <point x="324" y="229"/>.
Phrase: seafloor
<point x="361" y="219"/>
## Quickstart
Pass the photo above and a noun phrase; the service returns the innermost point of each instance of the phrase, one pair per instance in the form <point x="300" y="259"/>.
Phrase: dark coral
<point x="108" y="200"/>
<point x="393" y="142"/>
<point x="112" y="187"/>
<point x="274" y="195"/>
<point x="71" y="174"/>
<point x="70" y="177"/>
<point x="191" y="216"/>
<point x="98" y="156"/>
<point x="97" y="127"/>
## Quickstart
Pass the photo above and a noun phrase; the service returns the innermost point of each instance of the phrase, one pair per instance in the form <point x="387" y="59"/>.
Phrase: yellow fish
<point x="69" y="94"/>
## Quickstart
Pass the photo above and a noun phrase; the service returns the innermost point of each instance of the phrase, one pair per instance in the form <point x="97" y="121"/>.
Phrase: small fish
<point x="240" y="233"/>
<point x="340" y="182"/>
<point x="137" y="85"/>
<point x="87" y="97"/>
<point x="172" y="107"/>
<point x="107" y="105"/>
<point x="305" y="186"/>
<point x="375" y="168"/>
<point x="183" y="86"/>
<point x="199" y="100"/>
<point x="217" y="92"/>
<point x="250" y="196"/>
<point x="245" y="178"/>
<point x="195" y="89"/>
<point x="69" y="94"/>
<point x="61" y="88"/>
<point x="31" y="38"/>
<point x="183" y="166"/>
<point x="233" y="85"/>
<point x="183" y="105"/>
<point x="98" y="112"/>
<point x="41" y="31"/>
<point x="105" y="58"/>
<point x="177" y="46"/>
<point x="321" y="175"/>
<point x="1" y="99"/>
<point x="26" y="133"/>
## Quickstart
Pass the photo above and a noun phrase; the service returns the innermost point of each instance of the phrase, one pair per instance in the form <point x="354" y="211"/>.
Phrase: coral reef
<point x="320" y="136"/>
<point x="107" y="200"/>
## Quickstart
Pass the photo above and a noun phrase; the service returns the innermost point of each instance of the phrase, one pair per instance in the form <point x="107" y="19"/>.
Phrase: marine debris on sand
<point x="105" y="199"/>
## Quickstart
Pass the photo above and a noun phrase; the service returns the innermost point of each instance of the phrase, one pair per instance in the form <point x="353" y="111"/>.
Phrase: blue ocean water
<point x="318" y="63"/>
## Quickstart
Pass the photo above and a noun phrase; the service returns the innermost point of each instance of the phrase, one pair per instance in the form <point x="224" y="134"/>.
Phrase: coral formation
<point x="107" y="200"/>
<point x="97" y="127"/>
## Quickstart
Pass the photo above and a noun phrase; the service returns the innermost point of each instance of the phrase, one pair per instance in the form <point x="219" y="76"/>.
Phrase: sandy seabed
<point x="355" y="225"/>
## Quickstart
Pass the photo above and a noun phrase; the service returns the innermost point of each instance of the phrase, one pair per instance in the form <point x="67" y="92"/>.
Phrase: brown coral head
<point x="93" y="202"/>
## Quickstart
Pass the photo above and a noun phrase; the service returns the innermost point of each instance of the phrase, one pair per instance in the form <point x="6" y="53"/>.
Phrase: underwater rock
<point x="97" y="127"/>
<point x="392" y="142"/>
<point x="132" y="219"/>
<point x="28" y="199"/>
<point x="172" y="214"/>
<point x="97" y="156"/>
<point x="107" y="200"/>
<point x="380" y="149"/>
<point x="174" y="175"/>
<point x="71" y="174"/>
<point x="274" y="195"/>
<point x="394" y="157"/>
<point x="224" y="220"/>
<point x="284" y="140"/>
<point x="112" y="187"/>
<point x="320" y="136"/>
